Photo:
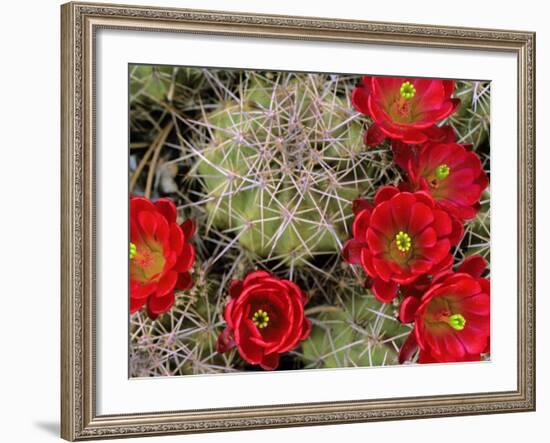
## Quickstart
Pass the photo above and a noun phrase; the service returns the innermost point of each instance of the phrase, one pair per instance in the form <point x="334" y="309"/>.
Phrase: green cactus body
<point x="151" y="81"/>
<point x="194" y="332"/>
<point x="472" y="118"/>
<point x="361" y="332"/>
<point x="477" y="231"/>
<point x="282" y="165"/>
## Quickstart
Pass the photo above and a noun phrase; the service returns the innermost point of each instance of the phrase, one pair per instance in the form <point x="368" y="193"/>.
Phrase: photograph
<point x="283" y="220"/>
<point x="276" y="220"/>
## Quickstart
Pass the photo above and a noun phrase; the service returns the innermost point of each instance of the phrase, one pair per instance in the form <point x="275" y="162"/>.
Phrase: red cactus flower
<point x="402" y="108"/>
<point x="452" y="175"/>
<point x="399" y="239"/>
<point x="403" y="153"/>
<point x="265" y="318"/>
<point x="452" y="317"/>
<point x="160" y="255"/>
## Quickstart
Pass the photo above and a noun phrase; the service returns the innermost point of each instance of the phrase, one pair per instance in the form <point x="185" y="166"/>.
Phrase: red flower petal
<point x="457" y="232"/>
<point x="351" y="251"/>
<point x="408" y="348"/>
<point x="188" y="227"/>
<point x="382" y="220"/>
<point x="385" y="193"/>
<point x="270" y="362"/>
<point x="449" y="86"/>
<point x="159" y="305"/>
<point x="167" y="208"/>
<point x="485" y="285"/>
<point x="162" y="233"/>
<point x="421" y="216"/>
<point x="439" y="251"/>
<point x="424" y="197"/>
<point x="401" y="205"/>
<point x="225" y="341"/>
<point x="176" y="238"/>
<point x="136" y="304"/>
<point x="472" y="340"/>
<point x="142" y="291"/>
<point x="443" y="134"/>
<point x="421" y="266"/>
<point x="361" y="204"/>
<point x="235" y="288"/>
<point x="185" y="281"/>
<point x="138" y="204"/>
<point x="478" y="305"/>
<point x="426" y="239"/>
<point x="425" y="358"/>
<point x="382" y="268"/>
<point x="186" y="259"/>
<point x="383" y="87"/>
<point x="414" y="137"/>
<point x="377" y="243"/>
<point x="374" y="136"/>
<point x="474" y="265"/>
<point x="466" y="287"/>
<point x="442" y="223"/>
<point x="443" y="267"/>
<point x="455" y="102"/>
<point x="360" y="96"/>
<point x="384" y="292"/>
<point x="148" y="223"/>
<point x="366" y="262"/>
<point x="429" y="93"/>
<point x="360" y="225"/>
<point x="446" y="344"/>
<point x="407" y="309"/>
<point x="256" y="275"/>
<point x="402" y="154"/>
<point x="167" y="283"/>
<point x="248" y="350"/>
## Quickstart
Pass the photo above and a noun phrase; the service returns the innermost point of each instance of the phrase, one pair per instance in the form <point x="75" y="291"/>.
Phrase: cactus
<point x="477" y="238"/>
<point x="472" y="119"/>
<point x="357" y="331"/>
<point x="268" y="164"/>
<point x="282" y="162"/>
<point x="159" y="83"/>
<point x="184" y="340"/>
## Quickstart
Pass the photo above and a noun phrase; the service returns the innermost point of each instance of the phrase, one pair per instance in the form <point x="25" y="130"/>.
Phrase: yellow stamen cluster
<point x="442" y="171"/>
<point x="407" y="90"/>
<point x="457" y="322"/>
<point x="133" y="250"/>
<point x="260" y="319"/>
<point x="403" y="241"/>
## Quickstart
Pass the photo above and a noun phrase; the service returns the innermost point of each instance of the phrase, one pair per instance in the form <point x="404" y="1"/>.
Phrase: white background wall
<point x="29" y="218"/>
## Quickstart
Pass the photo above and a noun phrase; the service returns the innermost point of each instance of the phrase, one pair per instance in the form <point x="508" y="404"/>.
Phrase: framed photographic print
<point x="283" y="221"/>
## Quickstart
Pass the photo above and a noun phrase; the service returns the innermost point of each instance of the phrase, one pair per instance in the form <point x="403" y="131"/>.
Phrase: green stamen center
<point x="407" y="90"/>
<point x="260" y="319"/>
<point x="403" y="241"/>
<point x="133" y="250"/>
<point x="442" y="171"/>
<point x="457" y="322"/>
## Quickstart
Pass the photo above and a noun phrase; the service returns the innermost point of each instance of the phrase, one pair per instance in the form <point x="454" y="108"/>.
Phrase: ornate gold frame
<point x="79" y="420"/>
